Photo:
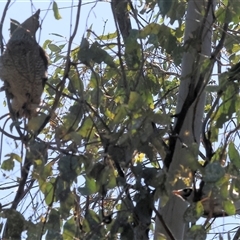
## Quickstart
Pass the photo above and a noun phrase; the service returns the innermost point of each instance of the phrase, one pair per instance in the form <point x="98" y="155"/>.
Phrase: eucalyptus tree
<point x="127" y="117"/>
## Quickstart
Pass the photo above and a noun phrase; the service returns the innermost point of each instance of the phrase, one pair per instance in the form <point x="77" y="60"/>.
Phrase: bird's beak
<point x="177" y="193"/>
<point x="181" y="193"/>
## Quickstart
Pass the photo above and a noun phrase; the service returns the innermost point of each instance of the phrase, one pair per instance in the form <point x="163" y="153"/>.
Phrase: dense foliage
<point x="93" y="160"/>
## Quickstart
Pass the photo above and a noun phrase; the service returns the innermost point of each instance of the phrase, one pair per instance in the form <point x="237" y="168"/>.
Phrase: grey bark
<point x="198" y="41"/>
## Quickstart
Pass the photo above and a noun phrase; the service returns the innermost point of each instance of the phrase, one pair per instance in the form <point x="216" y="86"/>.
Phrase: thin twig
<point x="237" y="234"/>
<point x="1" y="23"/>
<point x="60" y="86"/>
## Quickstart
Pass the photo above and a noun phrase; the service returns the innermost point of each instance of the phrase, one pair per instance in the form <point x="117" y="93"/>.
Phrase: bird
<point x="121" y="13"/>
<point x="23" y="69"/>
<point x="212" y="204"/>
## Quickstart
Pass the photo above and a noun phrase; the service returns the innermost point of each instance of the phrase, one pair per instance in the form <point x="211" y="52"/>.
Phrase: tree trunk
<point x="197" y="40"/>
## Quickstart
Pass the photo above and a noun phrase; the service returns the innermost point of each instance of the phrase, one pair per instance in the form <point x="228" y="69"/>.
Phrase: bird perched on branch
<point x="212" y="205"/>
<point x="23" y="68"/>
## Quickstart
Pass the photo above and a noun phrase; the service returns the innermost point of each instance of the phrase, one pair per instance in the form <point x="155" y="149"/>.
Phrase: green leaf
<point x="53" y="226"/>
<point x="213" y="172"/>
<point x="73" y="117"/>
<point x="69" y="228"/>
<point x="15" y="222"/>
<point x="135" y="101"/>
<point x="224" y="190"/>
<point x="38" y="151"/>
<point x="58" y="35"/>
<point x="196" y="232"/>
<point x="35" y="123"/>
<point x="229" y="207"/>
<point x="107" y="178"/>
<point x="56" y="11"/>
<point x="199" y="208"/>
<point x="49" y="192"/>
<point x="234" y="155"/>
<point x="33" y="230"/>
<point x="176" y="13"/>
<point x="57" y="58"/>
<point x="229" y="105"/>
<point x="121" y="114"/>
<point x="89" y="188"/>
<point x="8" y="165"/>
<point x="84" y="53"/>
<point x="69" y="167"/>
<point x="152" y="28"/>
<point x="164" y="6"/>
<point x="67" y="200"/>
<point x="99" y="55"/>
<point x="41" y="173"/>
<point x="87" y="128"/>
<point x="45" y="44"/>
<point x="75" y="84"/>
<point x="85" y="226"/>
<point x="54" y="48"/>
<point x="14" y="156"/>
<point x="193" y="212"/>
<point x="132" y="52"/>
<point x="109" y="36"/>
<point x="92" y="218"/>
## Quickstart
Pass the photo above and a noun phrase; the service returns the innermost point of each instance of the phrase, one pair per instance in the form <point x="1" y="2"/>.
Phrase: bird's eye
<point x="187" y="192"/>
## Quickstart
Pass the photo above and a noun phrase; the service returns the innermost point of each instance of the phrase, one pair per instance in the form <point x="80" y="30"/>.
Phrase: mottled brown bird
<point x="23" y="68"/>
<point x="121" y="13"/>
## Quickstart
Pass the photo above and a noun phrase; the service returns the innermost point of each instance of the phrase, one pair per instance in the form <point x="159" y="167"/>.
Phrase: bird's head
<point x="212" y="204"/>
<point x="30" y="25"/>
<point x="185" y="193"/>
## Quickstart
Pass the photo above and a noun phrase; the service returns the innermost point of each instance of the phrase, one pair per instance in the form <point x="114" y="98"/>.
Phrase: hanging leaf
<point x="234" y="155"/>
<point x="53" y="225"/>
<point x="89" y="188"/>
<point x="69" y="167"/>
<point x="213" y="172"/>
<point x="229" y="207"/>
<point x="56" y="11"/>
<point x="8" y="165"/>
<point x="165" y="6"/>
<point x="84" y="53"/>
<point x="54" y="48"/>
<point x="35" y="123"/>
<point x="69" y="228"/>
<point x="193" y="212"/>
<point x="196" y="232"/>
<point x="15" y="223"/>
<point x="99" y="55"/>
